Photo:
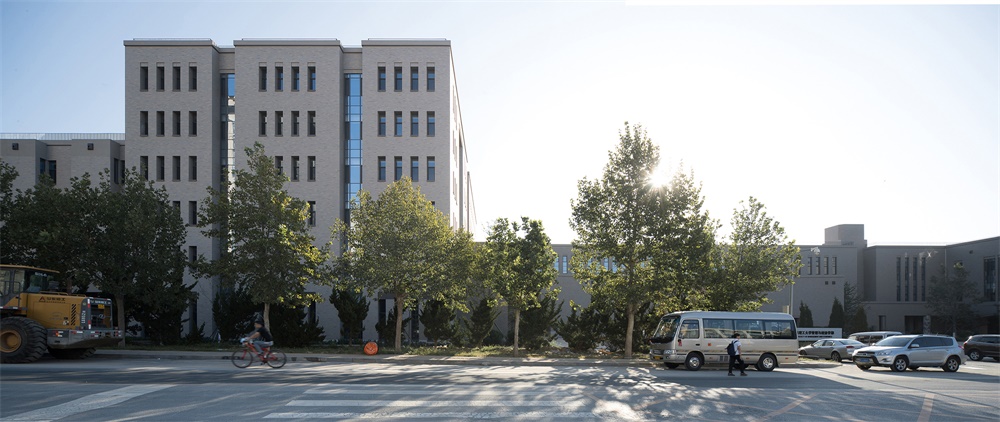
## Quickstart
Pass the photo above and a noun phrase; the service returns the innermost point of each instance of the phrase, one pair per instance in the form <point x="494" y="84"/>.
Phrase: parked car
<point x="912" y="351"/>
<point x="982" y="345"/>
<point x="872" y="337"/>
<point x="835" y="349"/>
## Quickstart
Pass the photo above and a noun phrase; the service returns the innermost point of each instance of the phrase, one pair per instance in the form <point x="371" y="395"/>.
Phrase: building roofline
<point x="408" y="42"/>
<point x="111" y="136"/>
<point x="333" y="42"/>
<point x="171" y="42"/>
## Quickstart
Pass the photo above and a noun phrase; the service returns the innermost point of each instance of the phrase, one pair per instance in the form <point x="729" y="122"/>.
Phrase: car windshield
<point x="894" y="342"/>
<point x="666" y="330"/>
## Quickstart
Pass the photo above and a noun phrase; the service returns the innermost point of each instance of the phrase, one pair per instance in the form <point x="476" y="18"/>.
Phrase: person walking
<point x="734" y="349"/>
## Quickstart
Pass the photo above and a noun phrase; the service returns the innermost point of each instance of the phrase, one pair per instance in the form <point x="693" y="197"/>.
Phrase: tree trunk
<point x="267" y="316"/>
<point x="517" y="327"/>
<point x="630" y="310"/>
<point x="120" y="303"/>
<point x="399" y="325"/>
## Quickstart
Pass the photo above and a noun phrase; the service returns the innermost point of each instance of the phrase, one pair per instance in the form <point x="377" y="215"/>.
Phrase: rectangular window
<point x="414" y="78"/>
<point x="177" y="168"/>
<point x="295" y="78"/>
<point x="381" y="123"/>
<point x="192" y="253"/>
<point x="177" y="123"/>
<point x="144" y="167"/>
<point x="414" y="124"/>
<point x="177" y="78"/>
<point x="117" y="166"/>
<point x="312" y="78"/>
<point x="399" y="168"/>
<point x="192" y="78"/>
<point x="160" y="170"/>
<point x="295" y="168"/>
<point x="193" y="213"/>
<point x="295" y="123"/>
<point x="177" y="207"/>
<point x="160" y="78"/>
<point x="990" y="279"/>
<point x="312" y="213"/>
<point x="431" y="79"/>
<point x="144" y="78"/>
<point x="430" y="169"/>
<point x="279" y="164"/>
<point x="399" y="79"/>
<point x="262" y="123"/>
<point x="279" y="117"/>
<point x="381" y="78"/>
<point x="192" y="123"/>
<point x="160" y="124"/>
<point x="834" y="265"/>
<point x="397" y="118"/>
<point x="826" y="265"/>
<point x="263" y="78"/>
<point x="431" y="129"/>
<point x="415" y="169"/>
<point x="193" y="168"/>
<point x="312" y="123"/>
<point x="279" y="78"/>
<point x="312" y="168"/>
<point x="381" y="169"/>
<point x="143" y="123"/>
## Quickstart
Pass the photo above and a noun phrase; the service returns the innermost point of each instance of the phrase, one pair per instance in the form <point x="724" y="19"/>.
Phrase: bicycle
<point x="245" y="356"/>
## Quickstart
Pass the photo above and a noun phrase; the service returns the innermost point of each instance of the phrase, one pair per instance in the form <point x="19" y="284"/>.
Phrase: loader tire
<point x="21" y="340"/>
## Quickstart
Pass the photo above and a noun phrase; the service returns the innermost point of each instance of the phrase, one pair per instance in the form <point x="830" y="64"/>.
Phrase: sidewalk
<point x="224" y="354"/>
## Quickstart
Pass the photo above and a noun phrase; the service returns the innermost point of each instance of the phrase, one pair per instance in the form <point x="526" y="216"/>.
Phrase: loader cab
<point x="16" y="279"/>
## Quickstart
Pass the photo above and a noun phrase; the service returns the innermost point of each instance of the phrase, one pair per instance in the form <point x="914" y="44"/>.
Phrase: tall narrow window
<point x="295" y="168"/>
<point x="160" y="170"/>
<point x="279" y="78"/>
<point x="312" y="213"/>
<point x="295" y="78"/>
<point x="415" y="169"/>
<point x="414" y="78"/>
<point x="177" y="78"/>
<point x="398" y="120"/>
<point x="381" y="78"/>
<point x="312" y="123"/>
<point x="177" y="123"/>
<point x="430" y="169"/>
<point x="312" y="78"/>
<point x="381" y="169"/>
<point x="144" y="167"/>
<point x="312" y="168"/>
<point x="193" y="213"/>
<point x="279" y="117"/>
<point x="262" y="71"/>
<point x="144" y="78"/>
<point x="414" y="124"/>
<point x="160" y="78"/>
<point x="177" y="168"/>
<point x="399" y="168"/>
<point x="430" y="124"/>
<point x="192" y="254"/>
<point x="262" y="123"/>
<point x="990" y="279"/>
<point x="279" y="165"/>
<point x="295" y="123"/>
<point x="381" y="123"/>
<point x="192" y="78"/>
<point x="398" y="79"/>
<point x="192" y="123"/>
<point x="143" y="123"/>
<point x="193" y="168"/>
<point x="160" y="124"/>
<point x="431" y="79"/>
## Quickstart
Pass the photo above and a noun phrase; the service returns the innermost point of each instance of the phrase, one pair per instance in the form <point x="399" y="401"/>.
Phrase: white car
<point x="911" y="351"/>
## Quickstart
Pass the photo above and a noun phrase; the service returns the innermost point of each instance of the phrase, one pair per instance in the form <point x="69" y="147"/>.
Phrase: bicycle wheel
<point x="242" y="358"/>
<point x="276" y="358"/>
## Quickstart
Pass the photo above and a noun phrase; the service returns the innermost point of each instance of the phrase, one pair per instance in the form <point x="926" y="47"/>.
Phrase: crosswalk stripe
<point x="431" y="403"/>
<point x="433" y="390"/>
<point x="87" y="403"/>
<point x="530" y="415"/>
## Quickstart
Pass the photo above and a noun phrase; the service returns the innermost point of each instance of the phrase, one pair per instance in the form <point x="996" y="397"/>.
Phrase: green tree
<point x="950" y="298"/>
<point x="480" y="322"/>
<point x="439" y="321"/>
<point x="267" y="247"/>
<point x="8" y="174"/>
<point x="584" y="328"/>
<point x="517" y="264"/>
<point x="400" y="246"/>
<point x="538" y="323"/>
<point x="852" y="302"/>
<point x="806" y="315"/>
<point x="859" y="322"/>
<point x="352" y="309"/>
<point x="838" y="318"/>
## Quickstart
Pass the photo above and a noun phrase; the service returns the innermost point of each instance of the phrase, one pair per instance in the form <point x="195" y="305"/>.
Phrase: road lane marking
<point x="785" y="409"/>
<point x="394" y="389"/>
<point x="925" y="411"/>
<point x="531" y="415"/>
<point x="87" y="403"/>
<point x="431" y="403"/>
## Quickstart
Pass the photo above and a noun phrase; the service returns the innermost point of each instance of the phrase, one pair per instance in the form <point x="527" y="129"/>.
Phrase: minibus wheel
<point x="694" y="362"/>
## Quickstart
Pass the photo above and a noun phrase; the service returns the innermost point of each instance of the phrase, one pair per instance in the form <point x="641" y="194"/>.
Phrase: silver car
<point x="835" y="349"/>
<point x="912" y="351"/>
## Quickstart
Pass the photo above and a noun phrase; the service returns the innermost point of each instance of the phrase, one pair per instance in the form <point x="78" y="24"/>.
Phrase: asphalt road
<point x="213" y="389"/>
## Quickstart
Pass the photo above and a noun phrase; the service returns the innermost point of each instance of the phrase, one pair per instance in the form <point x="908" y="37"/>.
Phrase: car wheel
<point x="693" y="362"/>
<point x="767" y="363"/>
<point x="835" y="357"/>
<point x="899" y="364"/>
<point x="952" y="364"/>
<point x="975" y="355"/>
<point x="672" y="365"/>
<point x="864" y="368"/>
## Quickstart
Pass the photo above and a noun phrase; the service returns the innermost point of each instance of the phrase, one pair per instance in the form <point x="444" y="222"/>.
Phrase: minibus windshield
<point x="666" y="330"/>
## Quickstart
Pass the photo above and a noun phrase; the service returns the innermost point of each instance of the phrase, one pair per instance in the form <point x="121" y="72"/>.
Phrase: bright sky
<point x="887" y="116"/>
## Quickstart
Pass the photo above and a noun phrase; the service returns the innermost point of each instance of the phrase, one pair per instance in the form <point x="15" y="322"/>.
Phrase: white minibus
<point x="695" y="338"/>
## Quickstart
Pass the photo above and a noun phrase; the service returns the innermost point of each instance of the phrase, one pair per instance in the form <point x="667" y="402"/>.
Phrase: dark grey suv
<point x="983" y="345"/>
<point x="911" y="351"/>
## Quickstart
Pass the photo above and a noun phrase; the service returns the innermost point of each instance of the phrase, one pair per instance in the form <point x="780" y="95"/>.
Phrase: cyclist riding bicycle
<point x="260" y="333"/>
